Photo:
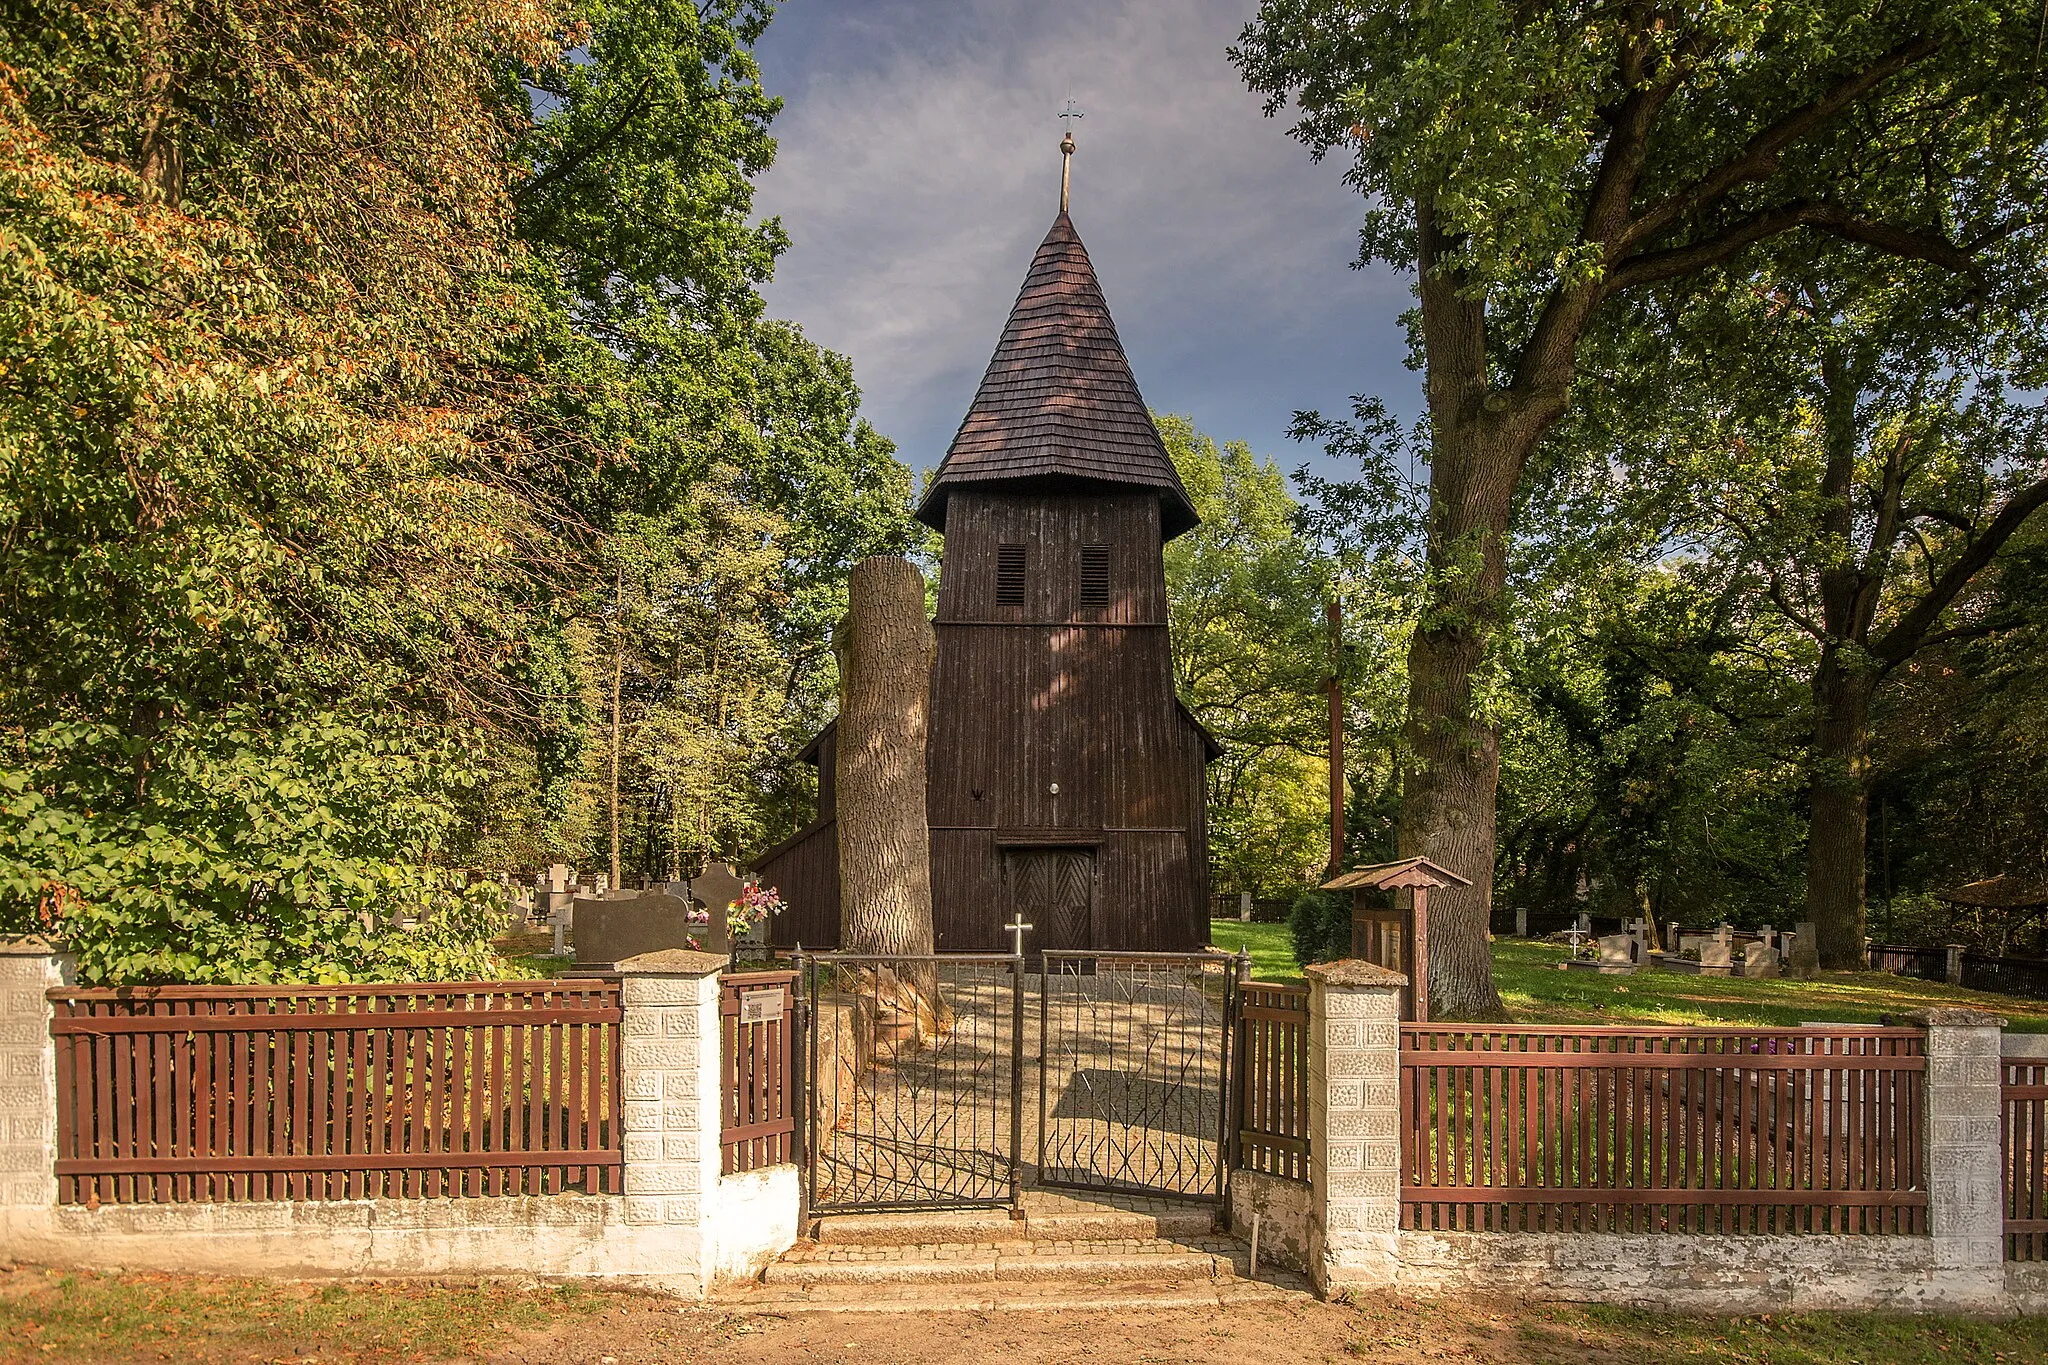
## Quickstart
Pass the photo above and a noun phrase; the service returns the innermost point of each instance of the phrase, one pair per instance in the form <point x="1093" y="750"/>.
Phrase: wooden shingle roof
<point x="1058" y="405"/>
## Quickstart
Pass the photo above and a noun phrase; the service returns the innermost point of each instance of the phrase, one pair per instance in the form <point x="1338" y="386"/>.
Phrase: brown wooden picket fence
<point x="757" y="1063"/>
<point x="1272" y="1079"/>
<point x="209" y="1093"/>
<point x="1725" y="1130"/>
<point x="2026" y="1158"/>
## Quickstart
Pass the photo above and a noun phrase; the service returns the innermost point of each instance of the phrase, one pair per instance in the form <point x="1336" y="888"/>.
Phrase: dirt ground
<point x="130" y="1319"/>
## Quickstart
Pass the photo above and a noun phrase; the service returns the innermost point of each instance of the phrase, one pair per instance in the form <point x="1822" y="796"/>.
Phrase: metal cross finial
<point x="1017" y="926"/>
<point x="1067" y="117"/>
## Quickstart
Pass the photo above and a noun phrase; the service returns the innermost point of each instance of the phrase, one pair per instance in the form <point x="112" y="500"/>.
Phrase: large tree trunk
<point x="1480" y="439"/>
<point x="1450" y="790"/>
<point x="1839" y="816"/>
<point x="885" y="647"/>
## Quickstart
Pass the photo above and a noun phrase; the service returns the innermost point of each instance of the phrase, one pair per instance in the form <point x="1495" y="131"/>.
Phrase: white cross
<point x="1017" y="926"/>
<point x="1573" y="934"/>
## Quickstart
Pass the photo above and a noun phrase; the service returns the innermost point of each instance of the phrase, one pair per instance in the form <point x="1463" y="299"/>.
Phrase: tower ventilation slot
<point x="1094" y="575"/>
<point x="1009" y="575"/>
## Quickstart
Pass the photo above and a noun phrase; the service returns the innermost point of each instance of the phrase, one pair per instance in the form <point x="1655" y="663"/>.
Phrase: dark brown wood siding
<point x="1052" y="528"/>
<point x="1049" y="693"/>
<point x="805" y="872"/>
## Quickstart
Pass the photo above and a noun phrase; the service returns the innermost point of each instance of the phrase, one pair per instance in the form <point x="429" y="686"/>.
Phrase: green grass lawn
<point x="1271" y="947"/>
<point x="1536" y="991"/>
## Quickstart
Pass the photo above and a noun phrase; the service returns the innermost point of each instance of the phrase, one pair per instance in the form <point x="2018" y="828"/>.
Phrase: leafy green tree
<point x="1534" y="165"/>
<point x="1852" y="448"/>
<point x="1245" y="597"/>
<point x="261" y="568"/>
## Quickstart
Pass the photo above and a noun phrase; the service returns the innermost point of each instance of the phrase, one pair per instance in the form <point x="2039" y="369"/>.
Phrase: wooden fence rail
<point x="211" y="1093"/>
<point x="757" y="1063"/>
<point x="1663" y="1130"/>
<point x="2026" y="1158"/>
<point x="1272" y="1079"/>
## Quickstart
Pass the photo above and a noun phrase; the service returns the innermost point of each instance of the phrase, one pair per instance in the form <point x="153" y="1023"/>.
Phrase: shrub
<point x="1321" y="925"/>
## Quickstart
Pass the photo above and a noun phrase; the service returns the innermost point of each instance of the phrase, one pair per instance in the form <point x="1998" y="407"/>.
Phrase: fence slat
<point x="238" y="1093"/>
<point x="758" y="1108"/>
<point x="1271" y="1054"/>
<point x="2025" y="1095"/>
<point x="1639" y="1129"/>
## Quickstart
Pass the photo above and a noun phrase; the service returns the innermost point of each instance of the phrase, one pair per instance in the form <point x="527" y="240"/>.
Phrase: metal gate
<point x="914" y="1069"/>
<point x="1133" y="1071"/>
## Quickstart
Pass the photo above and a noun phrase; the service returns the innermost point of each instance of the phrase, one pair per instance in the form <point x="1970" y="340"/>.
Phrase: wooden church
<point x="1065" y="777"/>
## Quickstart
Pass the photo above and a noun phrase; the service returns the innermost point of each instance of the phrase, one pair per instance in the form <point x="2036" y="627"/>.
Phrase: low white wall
<point x="1700" y="1273"/>
<point x="569" y="1236"/>
<point x="1282" y="1206"/>
<point x="753" y="1221"/>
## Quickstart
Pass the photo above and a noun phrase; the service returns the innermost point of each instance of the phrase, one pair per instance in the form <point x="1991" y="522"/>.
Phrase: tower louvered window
<point x="1094" y="575"/>
<point x="1009" y="575"/>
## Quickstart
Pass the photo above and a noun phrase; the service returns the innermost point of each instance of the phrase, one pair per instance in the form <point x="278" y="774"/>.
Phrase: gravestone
<point x="1522" y="922"/>
<point x="1617" y="950"/>
<point x="612" y="928"/>
<point x="1760" y="960"/>
<point x="718" y="887"/>
<point x="1803" y="961"/>
<point x="1716" y="955"/>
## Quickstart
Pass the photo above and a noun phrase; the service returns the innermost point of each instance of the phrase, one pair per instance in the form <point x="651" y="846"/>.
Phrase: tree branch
<point x="1649" y="267"/>
<point x="635" y="105"/>
<point x="1759" y="157"/>
<point x="1909" y="634"/>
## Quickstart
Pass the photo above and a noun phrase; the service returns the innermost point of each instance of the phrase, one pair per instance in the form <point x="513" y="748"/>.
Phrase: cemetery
<point x="1496" y="813"/>
<point x="830" y="1077"/>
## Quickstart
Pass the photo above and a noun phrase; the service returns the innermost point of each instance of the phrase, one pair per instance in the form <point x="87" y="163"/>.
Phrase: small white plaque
<point x="760" y="1007"/>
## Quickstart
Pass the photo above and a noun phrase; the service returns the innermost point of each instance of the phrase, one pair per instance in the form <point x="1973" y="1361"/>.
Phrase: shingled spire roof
<point x="1058" y="405"/>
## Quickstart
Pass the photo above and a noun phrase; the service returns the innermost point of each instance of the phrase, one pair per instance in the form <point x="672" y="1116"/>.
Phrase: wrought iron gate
<point x="1133" y="1071"/>
<point x="914" y="1069"/>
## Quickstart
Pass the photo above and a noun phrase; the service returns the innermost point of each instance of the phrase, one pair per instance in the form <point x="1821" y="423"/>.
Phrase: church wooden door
<point x="1054" y="890"/>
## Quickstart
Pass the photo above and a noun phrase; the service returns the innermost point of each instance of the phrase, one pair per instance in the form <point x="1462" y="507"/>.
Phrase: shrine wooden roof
<point x="1385" y="876"/>
<point x="1058" y="406"/>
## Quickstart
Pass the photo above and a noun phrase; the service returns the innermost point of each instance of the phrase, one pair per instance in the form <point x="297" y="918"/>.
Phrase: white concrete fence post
<point x="1354" y="1125"/>
<point x="669" y="1081"/>
<point x="29" y="967"/>
<point x="679" y="1210"/>
<point x="1965" y="1122"/>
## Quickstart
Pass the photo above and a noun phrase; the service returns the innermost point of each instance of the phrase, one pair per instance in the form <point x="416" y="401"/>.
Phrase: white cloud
<point x="919" y="167"/>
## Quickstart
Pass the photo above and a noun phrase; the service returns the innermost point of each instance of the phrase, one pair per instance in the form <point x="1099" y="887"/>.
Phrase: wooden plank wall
<point x="1028" y="697"/>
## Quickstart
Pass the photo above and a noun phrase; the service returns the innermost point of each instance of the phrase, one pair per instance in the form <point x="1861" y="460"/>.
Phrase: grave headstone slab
<point x="1803" y="961"/>
<point x="1760" y="960"/>
<point x="1715" y="952"/>
<point x="717" y="888"/>
<point x="614" y="928"/>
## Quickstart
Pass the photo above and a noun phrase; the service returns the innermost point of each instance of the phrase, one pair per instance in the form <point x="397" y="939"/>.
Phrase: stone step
<point x="1023" y="1296"/>
<point x="1118" y="1224"/>
<point x="965" y="1226"/>
<point x="1045" y="1219"/>
<point x="1087" y="1262"/>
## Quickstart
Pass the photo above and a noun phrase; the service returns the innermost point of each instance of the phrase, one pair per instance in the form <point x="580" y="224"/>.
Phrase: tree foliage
<point x="350" y="355"/>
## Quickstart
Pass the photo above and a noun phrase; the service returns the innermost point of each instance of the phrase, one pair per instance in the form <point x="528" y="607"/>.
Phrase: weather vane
<point x="1067" y="117"/>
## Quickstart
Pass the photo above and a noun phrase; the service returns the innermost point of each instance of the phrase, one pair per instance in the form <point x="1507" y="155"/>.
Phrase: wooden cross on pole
<point x="1067" y="117"/>
<point x="1017" y="927"/>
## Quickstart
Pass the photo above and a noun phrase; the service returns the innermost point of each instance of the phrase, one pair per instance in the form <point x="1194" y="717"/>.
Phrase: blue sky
<point x="919" y="167"/>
